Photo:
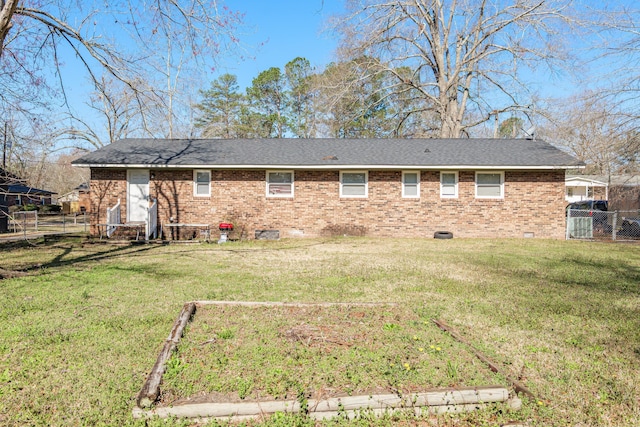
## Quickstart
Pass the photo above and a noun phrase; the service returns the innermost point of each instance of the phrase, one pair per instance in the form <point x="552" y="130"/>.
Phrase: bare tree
<point x="59" y="175"/>
<point x="353" y="102"/>
<point x="616" y="32"/>
<point x="465" y="54"/>
<point x="27" y="148"/>
<point x="119" y="117"/>
<point x="138" y="43"/>
<point x="586" y="127"/>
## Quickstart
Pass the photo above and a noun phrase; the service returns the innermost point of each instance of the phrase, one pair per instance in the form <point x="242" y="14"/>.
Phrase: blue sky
<point x="280" y="31"/>
<point x="272" y="34"/>
<point x="276" y="32"/>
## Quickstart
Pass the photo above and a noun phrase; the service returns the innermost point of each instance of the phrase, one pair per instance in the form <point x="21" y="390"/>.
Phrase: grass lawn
<point x="315" y="352"/>
<point x="82" y="325"/>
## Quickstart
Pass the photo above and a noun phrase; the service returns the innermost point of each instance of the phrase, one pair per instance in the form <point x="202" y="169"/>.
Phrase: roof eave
<point x="332" y="167"/>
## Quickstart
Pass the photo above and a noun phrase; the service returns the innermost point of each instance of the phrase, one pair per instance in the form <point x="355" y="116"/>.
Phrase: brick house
<point x="323" y="187"/>
<point x="20" y="195"/>
<point x="14" y="192"/>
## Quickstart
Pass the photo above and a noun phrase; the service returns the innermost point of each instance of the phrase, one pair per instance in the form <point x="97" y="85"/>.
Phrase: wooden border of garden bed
<point x="431" y="401"/>
<point x="435" y="401"/>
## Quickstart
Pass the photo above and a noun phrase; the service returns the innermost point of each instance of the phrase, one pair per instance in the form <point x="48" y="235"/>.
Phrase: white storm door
<point x="137" y="194"/>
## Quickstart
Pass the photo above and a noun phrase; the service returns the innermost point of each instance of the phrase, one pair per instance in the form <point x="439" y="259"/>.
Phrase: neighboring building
<point x="324" y="187"/>
<point x="77" y="200"/>
<point x="14" y="192"/>
<point x="622" y="191"/>
<point x="21" y="195"/>
<point x="585" y="187"/>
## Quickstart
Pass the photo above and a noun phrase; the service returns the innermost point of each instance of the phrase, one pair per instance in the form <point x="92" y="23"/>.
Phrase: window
<point x="449" y="185"/>
<point x="279" y="184"/>
<point x="354" y="184"/>
<point x="411" y="184"/>
<point x="201" y="183"/>
<point x="490" y="185"/>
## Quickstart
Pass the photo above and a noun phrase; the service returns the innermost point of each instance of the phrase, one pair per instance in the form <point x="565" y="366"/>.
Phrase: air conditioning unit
<point x="581" y="227"/>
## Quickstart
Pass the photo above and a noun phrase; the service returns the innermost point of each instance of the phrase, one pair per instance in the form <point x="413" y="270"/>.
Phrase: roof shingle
<point x="327" y="153"/>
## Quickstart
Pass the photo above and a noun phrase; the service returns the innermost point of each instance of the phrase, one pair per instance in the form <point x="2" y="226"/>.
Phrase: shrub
<point x="50" y="208"/>
<point x="28" y="208"/>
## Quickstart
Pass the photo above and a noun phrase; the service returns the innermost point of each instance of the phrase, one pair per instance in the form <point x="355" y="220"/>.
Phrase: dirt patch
<point x="265" y="353"/>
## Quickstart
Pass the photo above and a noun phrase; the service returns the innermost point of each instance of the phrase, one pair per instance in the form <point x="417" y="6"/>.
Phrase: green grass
<point x="318" y="352"/>
<point x="81" y="325"/>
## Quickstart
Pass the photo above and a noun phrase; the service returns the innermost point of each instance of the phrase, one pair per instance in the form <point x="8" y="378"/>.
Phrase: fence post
<point x="36" y="219"/>
<point x="568" y="233"/>
<point x="614" y="227"/>
<point x="64" y="224"/>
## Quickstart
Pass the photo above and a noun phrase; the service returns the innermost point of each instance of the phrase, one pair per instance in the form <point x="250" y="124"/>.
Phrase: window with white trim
<point x="279" y="183"/>
<point x="411" y="184"/>
<point x="354" y="184"/>
<point x="202" y="183"/>
<point x="449" y="185"/>
<point x="490" y="185"/>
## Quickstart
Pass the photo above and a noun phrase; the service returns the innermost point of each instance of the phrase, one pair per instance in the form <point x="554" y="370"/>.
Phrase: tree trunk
<point x="450" y="118"/>
<point x="6" y="13"/>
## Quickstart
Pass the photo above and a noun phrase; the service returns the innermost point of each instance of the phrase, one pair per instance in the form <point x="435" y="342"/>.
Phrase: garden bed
<point x="303" y="357"/>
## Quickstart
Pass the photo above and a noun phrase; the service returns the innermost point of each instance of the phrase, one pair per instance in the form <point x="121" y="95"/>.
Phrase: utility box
<point x="267" y="234"/>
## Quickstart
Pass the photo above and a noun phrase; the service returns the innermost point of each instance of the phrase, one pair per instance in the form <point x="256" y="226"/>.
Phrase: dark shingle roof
<point x="24" y="189"/>
<point x="327" y="153"/>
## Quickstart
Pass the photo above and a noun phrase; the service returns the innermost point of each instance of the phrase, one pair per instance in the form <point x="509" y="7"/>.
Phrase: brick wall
<point x="533" y="203"/>
<point x="106" y="187"/>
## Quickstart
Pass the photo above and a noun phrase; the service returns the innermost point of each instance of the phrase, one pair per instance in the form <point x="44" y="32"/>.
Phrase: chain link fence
<point x="29" y="222"/>
<point x="602" y="225"/>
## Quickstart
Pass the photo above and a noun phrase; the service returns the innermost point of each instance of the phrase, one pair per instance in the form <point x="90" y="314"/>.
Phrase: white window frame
<point x="443" y="185"/>
<point x="416" y="185"/>
<point x="366" y="185"/>
<point x="268" y="183"/>
<point x="501" y="173"/>
<point x="195" y="183"/>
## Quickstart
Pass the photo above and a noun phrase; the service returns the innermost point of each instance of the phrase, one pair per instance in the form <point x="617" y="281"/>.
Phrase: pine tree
<point x="221" y="108"/>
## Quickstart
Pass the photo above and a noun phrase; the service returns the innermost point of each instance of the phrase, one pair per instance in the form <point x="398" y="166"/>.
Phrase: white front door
<point x="137" y="194"/>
